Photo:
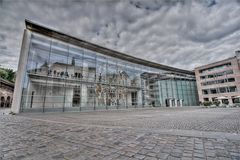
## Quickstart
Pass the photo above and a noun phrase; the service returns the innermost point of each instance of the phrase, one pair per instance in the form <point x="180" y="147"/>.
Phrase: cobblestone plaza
<point x="166" y="133"/>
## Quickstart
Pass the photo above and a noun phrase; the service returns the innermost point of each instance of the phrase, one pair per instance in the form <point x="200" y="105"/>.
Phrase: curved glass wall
<point x="64" y="77"/>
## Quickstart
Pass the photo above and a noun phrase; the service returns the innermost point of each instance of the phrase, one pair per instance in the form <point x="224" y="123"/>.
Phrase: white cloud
<point x="178" y="33"/>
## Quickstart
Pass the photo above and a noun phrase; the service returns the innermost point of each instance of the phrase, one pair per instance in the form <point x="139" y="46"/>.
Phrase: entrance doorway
<point x="134" y="98"/>
<point x="76" y="98"/>
<point x="167" y="101"/>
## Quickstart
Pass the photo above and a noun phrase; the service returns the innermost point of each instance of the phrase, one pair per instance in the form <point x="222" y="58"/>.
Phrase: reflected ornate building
<point x="60" y="72"/>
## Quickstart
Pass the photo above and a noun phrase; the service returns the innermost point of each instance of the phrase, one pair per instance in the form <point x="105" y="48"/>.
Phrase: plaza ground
<point x="166" y="133"/>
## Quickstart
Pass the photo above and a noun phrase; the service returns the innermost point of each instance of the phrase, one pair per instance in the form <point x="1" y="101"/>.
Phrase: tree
<point x="11" y="75"/>
<point x="207" y="103"/>
<point x="3" y="73"/>
<point x="216" y="103"/>
<point x="7" y="74"/>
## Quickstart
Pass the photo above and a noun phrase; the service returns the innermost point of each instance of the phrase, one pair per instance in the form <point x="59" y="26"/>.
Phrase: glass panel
<point x="57" y="73"/>
<point x="35" y="78"/>
<point x="89" y="66"/>
<point x="101" y="69"/>
<point x="73" y="80"/>
<point x="90" y="103"/>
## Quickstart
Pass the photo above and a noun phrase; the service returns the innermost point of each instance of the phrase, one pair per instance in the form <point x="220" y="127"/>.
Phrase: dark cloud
<point x="211" y="3"/>
<point x="2" y="37"/>
<point x="3" y="47"/>
<point x="180" y="33"/>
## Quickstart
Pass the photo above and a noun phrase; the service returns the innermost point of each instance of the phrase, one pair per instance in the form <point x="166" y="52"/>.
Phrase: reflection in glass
<point x="61" y="76"/>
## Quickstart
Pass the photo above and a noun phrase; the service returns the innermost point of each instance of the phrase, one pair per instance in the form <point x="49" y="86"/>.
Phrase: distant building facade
<point x="6" y="93"/>
<point x="220" y="81"/>
<point x="58" y="72"/>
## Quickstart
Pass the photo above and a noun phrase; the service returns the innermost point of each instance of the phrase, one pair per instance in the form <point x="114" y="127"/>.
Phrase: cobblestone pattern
<point x="24" y="138"/>
<point x="216" y="119"/>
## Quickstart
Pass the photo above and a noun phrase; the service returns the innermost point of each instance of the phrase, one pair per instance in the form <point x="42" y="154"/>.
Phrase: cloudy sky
<point x="179" y="33"/>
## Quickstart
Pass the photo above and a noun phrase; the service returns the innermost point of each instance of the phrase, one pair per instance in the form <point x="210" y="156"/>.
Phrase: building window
<point x="216" y="68"/>
<point x="231" y="79"/>
<point x="222" y="90"/>
<point x="214" y="99"/>
<point x="236" y="100"/>
<point x="213" y="91"/>
<point x="219" y="74"/>
<point x="232" y="89"/>
<point x="202" y="77"/>
<point x="205" y="99"/>
<point x="205" y="91"/>
<point x="2" y="102"/>
<point x="225" y="101"/>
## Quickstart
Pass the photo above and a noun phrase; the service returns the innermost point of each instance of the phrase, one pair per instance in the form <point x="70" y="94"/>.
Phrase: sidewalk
<point x="5" y="111"/>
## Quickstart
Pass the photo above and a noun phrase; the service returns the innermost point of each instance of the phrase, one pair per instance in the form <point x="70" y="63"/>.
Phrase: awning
<point x="221" y="97"/>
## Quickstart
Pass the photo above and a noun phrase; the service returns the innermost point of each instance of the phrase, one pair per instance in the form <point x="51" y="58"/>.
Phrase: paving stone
<point x="197" y="158"/>
<point x="151" y="154"/>
<point x="162" y="155"/>
<point x="175" y="154"/>
<point x="186" y="158"/>
<point x="150" y="158"/>
<point x="187" y="155"/>
<point x="121" y="135"/>
<point x="139" y="156"/>
<point x="173" y="158"/>
<point x="197" y="155"/>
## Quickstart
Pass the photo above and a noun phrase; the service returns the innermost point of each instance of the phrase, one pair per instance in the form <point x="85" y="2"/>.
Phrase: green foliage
<point x="3" y="73"/>
<point x="7" y="74"/>
<point x="216" y="103"/>
<point x="226" y="102"/>
<point x="207" y="103"/>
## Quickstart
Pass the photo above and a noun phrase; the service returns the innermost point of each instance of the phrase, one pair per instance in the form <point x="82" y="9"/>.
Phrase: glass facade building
<point x="63" y="73"/>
